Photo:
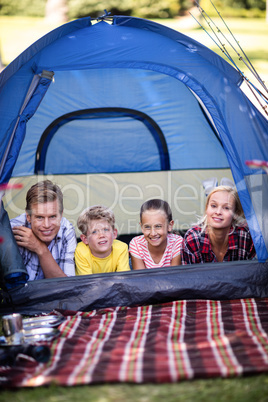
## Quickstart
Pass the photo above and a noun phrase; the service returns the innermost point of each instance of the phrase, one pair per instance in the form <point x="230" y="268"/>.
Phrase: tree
<point x="56" y="11"/>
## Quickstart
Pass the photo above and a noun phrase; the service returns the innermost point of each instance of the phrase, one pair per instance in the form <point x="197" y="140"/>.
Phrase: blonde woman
<point x="221" y="234"/>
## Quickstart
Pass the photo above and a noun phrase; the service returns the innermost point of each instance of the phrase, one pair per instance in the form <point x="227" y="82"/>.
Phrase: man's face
<point x="45" y="220"/>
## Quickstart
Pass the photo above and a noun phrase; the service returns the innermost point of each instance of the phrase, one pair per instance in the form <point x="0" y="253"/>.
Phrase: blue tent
<point x="133" y="99"/>
<point x="130" y="95"/>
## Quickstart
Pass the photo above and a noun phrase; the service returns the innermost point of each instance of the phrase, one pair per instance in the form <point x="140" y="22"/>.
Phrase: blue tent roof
<point x="130" y="95"/>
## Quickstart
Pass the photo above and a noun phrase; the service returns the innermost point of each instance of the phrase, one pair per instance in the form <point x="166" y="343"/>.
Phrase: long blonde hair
<point x="238" y="218"/>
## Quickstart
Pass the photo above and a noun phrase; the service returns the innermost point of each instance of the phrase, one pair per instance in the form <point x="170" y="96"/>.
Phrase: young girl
<point x="222" y="234"/>
<point x="157" y="247"/>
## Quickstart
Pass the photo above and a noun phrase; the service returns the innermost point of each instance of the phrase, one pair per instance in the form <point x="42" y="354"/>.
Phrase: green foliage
<point x="246" y="4"/>
<point x="235" y="8"/>
<point x="230" y="12"/>
<point x="138" y="8"/>
<point x="34" y="8"/>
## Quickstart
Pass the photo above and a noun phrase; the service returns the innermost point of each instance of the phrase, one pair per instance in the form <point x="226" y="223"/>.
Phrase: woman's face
<point x="220" y="210"/>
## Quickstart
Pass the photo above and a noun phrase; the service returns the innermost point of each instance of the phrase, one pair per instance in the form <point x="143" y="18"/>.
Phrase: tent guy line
<point x="258" y="94"/>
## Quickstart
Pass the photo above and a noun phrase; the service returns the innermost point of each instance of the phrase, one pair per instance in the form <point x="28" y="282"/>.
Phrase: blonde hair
<point x="96" y="212"/>
<point x="42" y="192"/>
<point x="238" y="218"/>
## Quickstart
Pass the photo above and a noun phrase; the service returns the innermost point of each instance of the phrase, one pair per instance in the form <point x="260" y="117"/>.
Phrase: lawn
<point x="247" y="389"/>
<point x="16" y="34"/>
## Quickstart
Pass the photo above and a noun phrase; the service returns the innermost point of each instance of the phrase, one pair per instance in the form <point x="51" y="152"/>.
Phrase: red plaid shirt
<point x="196" y="246"/>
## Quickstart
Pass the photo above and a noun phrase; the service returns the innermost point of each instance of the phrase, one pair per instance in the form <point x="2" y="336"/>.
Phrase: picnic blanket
<point x="169" y="342"/>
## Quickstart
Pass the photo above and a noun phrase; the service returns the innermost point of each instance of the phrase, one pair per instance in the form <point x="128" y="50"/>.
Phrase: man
<point x="46" y="240"/>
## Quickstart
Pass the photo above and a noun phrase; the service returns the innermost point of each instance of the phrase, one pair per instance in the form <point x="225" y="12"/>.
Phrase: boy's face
<point x="99" y="238"/>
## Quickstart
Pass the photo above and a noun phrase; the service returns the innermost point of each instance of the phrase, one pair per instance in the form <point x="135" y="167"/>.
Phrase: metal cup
<point x="12" y="328"/>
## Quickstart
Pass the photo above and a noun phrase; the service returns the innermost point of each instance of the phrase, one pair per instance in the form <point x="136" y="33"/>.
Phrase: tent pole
<point x="32" y="88"/>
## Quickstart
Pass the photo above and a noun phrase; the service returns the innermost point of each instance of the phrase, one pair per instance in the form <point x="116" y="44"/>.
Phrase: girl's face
<point x="155" y="227"/>
<point x="220" y="210"/>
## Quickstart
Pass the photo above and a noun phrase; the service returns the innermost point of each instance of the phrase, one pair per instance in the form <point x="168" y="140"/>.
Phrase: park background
<point x="22" y="22"/>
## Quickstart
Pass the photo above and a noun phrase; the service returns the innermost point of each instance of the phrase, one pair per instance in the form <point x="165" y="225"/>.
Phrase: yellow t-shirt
<point x="86" y="263"/>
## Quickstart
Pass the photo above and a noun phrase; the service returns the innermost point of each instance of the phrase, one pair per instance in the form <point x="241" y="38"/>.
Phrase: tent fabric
<point x="171" y="342"/>
<point x="12" y="269"/>
<point x="151" y="93"/>
<point x="221" y="281"/>
<point x="36" y="95"/>
<point x="188" y="91"/>
<point x="150" y="136"/>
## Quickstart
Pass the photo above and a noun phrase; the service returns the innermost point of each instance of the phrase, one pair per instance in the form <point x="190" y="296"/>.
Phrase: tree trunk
<point x="56" y="11"/>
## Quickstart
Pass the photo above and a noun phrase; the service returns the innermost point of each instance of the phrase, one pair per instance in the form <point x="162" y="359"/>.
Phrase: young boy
<point x="99" y="252"/>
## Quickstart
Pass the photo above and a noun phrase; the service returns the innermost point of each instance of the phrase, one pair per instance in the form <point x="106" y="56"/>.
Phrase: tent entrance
<point x="108" y="138"/>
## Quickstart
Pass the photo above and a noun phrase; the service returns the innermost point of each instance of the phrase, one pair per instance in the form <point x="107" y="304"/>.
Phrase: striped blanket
<point x="170" y="342"/>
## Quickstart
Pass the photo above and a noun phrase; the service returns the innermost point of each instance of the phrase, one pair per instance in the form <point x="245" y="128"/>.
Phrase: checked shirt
<point x="196" y="246"/>
<point x="62" y="249"/>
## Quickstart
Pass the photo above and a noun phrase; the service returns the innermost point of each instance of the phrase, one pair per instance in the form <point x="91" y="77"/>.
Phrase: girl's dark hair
<point x="156" y="204"/>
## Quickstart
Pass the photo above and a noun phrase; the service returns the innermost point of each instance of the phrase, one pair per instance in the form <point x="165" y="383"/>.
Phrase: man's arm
<point x="26" y="238"/>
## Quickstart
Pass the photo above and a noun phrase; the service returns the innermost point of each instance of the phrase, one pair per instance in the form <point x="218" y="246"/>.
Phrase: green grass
<point x="246" y="389"/>
<point x="16" y="34"/>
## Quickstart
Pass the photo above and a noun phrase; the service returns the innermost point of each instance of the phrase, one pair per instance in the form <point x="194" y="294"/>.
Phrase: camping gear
<point x="118" y="110"/>
<point x="38" y="334"/>
<point x="10" y="354"/>
<point x="50" y="321"/>
<point x="13" y="272"/>
<point x="12" y="328"/>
